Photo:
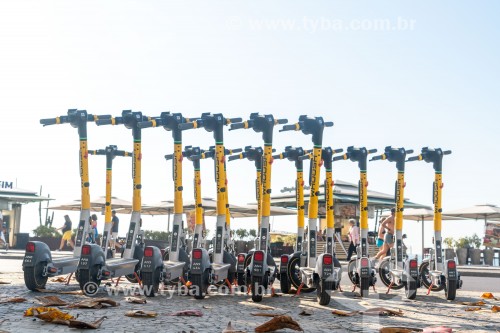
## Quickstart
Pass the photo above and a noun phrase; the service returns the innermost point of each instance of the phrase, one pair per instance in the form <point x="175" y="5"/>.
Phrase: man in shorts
<point x="388" y="224"/>
<point x="114" y="231"/>
<point x="66" y="231"/>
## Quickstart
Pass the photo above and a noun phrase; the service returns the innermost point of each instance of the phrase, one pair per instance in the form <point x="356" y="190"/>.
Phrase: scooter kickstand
<point x="354" y="288"/>
<point x="340" y="289"/>
<point x="118" y="281"/>
<point x="138" y="279"/>
<point x="388" y="289"/>
<point x="430" y="288"/>
<point x="69" y="278"/>
<point x="300" y="288"/>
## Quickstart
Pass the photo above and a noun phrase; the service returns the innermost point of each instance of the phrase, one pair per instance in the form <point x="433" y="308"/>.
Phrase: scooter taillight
<point x="284" y="259"/>
<point x="241" y="258"/>
<point x="364" y="262"/>
<point x="327" y="259"/>
<point x="452" y="264"/>
<point x="148" y="252"/>
<point x="413" y="264"/>
<point x="197" y="254"/>
<point x="86" y="250"/>
<point x="30" y="247"/>
<point x="258" y="256"/>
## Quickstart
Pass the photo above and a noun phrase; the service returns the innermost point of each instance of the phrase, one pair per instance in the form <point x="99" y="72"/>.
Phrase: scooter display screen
<point x="218" y="240"/>
<point x="312" y="243"/>
<point x="263" y="238"/>
<point x="175" y="237"/>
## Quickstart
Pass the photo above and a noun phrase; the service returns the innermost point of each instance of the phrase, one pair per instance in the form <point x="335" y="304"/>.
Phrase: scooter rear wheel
<point x="151" y="282"/>
<point x="200" y="284"/>
<point x="364" y="286"/>
<point x="88" y="275"/>
<point x="351" y="271"/>
<point x="294" y="275"/>
<point x="385" y="275"/>
<point x="284" y="283"/>
<point x="257" y="287"/>
<point x="410" y="289"/>
<point x="451" y="289"/>
<point x="33" y="276"/>
<point x="322" y="293"/>
<point x="426" y="278"/>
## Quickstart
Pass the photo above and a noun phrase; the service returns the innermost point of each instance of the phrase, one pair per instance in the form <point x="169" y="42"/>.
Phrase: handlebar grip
<point x="376" y="158"/>
<point x="279" y="156"/>
<point x="122" y="153"/>
<point x="236" y="126"/>
<point x="447" y="152"/>
<point x="235" y="151"/>
<point x="95" y="117"/>
<point x="338" y="158"/>
<point x="293" y="127"/>
<point x="100" y="122"/>
<point x="233" y="120"/>
<point x="50" y="121"/>
<point x="328" y="123"/>
<point x="372" y="151"/>
<point x="235" y="157"/>
<point x="304" y="157"/>
<point x="169" y="157"/>
<point x="413" y="158"/>
<point x="409" y="151"/>
<point x="281" y="121"/>
<point x="186" y="126"/>
<point x="147" y="124"/>
<point x="338" y="150"/>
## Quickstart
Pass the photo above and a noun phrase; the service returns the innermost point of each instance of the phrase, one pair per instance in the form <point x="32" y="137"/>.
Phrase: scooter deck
<point x="65" y="265"/>
<point x="220" y="271"/>
<point x="121" y="266"/>
<point x="173" y="269"/>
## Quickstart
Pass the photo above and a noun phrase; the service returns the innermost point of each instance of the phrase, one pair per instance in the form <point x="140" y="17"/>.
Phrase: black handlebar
<point x="53" y="121"/>
<point x="236" y="157"/>
<point x="104" y="122"/>
<point x="234" y="120"/>
<point x="447" y="152"/>
<point x="376" y="158"/>
<point x="338" y="150"/>
<point x="280" y="121"/>
<point x="186" y="126"/>
<point x="329" y="124"/>
<point x="236" y="126"/>
<point x="338" y="158"/>
<point x="291" y="127"/>
<point x="409" y="151"/>
<point x="145" y="124"/>
<point x="413" y="158"/>
<point x="304" y="157"/>
<point x="372" y="151"/>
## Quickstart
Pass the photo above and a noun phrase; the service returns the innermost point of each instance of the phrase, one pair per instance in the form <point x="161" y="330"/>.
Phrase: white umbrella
<point x="96" y="205"/>
<point x="485" y="211"/>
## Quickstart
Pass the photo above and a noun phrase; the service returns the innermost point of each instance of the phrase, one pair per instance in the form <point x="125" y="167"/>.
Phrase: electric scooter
<point x="360" y="269"/>
<point x="290" y="264"/>
<point x="203" y="273"/>
<point x="110" y="152"/>
<point x="393" y="272"/>
<point x="319" y="272"/>
<point x="252" y="154"/>
<point x="435" y="274"/>
<point x="177" y="265"/>
<point x="93" y="265"/>
<point x="260" y="272"/>
<point x="38" y="264"/>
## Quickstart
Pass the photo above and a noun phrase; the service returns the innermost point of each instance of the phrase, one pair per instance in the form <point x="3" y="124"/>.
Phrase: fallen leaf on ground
<point x="495" y="308"/>
<point x="51" y="301"/>
<point x="306" y="312"/>
<point x="14" y="300"/>
<point x="51" y="315"/>
<point x="487" y="296"/>
<point x="188" y="313"/>
<point x="261" y="314"/>
<point x="369" y="312"/>
<point x="136" y="300"/>
<point x="265" y="307"/>
<point x="278" y="323"/>
<point x="230" y="329"/>
<point x="437" y="329"/>
<point x="399" y="330"/>
<point x="206" y="307"/>
<point x="478" y="303"/>
<point x="95" y="303"/>
<point x="473" y="309"/>
<point x="58" y="279"/>
<point x="81" y="324"/>
<point x="140" y="313"/>
<point x="344" y="313"/>
<point x="4" y="282"/>
<point x="71" y="292"/>
<point x="30" y="311"/>
<point x="276" y="295"/>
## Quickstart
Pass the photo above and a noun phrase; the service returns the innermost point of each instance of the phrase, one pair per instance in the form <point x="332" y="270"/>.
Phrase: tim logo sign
<point x="4" y="184"/>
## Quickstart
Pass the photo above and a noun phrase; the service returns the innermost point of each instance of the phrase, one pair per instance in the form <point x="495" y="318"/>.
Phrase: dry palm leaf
<point x="188" y="313"/>
<point x="261" y="314"/>
<point x="30" y="312"/>
<point x="52" y="315"/>
<point x="58" y="279"/>
<point x="81" y="324"/>
<point x="5" y="282"/>
<point x="478" y="303"/>
<point x="345" y="313"/>
<point x="278" y="323"/>
<point x="473" y="309"/>
<point x="136" y="300"/>
<point x="230" y="329"/>
<point x="369" y="312"/>
<point x="488" y="296"/>
<point x="495" y="308"/>
<point x="141" y="313"/>
<point x="14" y="300"/>
<point x="70" y="292"/>
<point x="399" y="330"/>
<point x="51" y="301"/>
<point x="95" y="303"/>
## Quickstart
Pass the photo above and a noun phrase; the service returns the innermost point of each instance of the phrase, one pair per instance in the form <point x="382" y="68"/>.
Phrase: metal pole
<point x="423" y="237"/>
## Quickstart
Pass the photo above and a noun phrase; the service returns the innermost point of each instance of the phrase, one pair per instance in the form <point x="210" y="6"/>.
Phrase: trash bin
<point x="21" y="240"/>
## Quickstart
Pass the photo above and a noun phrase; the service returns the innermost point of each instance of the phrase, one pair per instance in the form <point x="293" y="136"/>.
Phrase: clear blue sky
<point x="435" y="85"/>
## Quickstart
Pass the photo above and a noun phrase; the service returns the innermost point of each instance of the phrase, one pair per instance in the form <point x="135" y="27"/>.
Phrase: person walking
<point x="114" y="231"/>
<point x="353" y="238"/>
<point x="93" y="234"/>
<point x="66" y="233"/>
<point x="388" y="224"/>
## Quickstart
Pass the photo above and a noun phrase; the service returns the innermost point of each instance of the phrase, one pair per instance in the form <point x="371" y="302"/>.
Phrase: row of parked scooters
<point x="307" y="269"/>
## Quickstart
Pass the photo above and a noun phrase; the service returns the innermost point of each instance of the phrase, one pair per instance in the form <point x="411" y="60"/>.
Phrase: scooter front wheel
<point x="33" y="276"/>
<point x="151" y="282"/>
<point x="425" y="277"/>
<point x="295" y="277"/>
<point x="451" y="289"/>
<point x="351" y="271"/>
<point x="385" y="275"/>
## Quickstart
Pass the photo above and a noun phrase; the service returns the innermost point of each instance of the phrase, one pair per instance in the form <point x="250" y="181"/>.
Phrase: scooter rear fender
<point x="150" y="264"/>
<point x="41" y="254"/>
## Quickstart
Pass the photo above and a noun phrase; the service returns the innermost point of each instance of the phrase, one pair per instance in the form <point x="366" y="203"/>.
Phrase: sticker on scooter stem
<point x="439" y="257"/>
<point x="312" y="243"/>
<point x="218" y="240"/>
<point x="263" y="239"/>
<point x="299" y="243"/>
<point x="175" y="237"/>
<point x="195" y="241"/>
<point x="130" y="235"/>
<point x="364" y="247"/>
<point x="399" y="250"/>
<point x="79" y="233"/>
<point x="329" y="245"/>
